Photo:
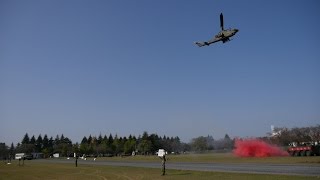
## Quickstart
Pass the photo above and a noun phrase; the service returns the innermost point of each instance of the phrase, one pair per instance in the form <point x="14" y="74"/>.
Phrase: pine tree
<point x="84" y="140"/>
<point x="45" y="141"/>
<point x="89" y="139"/>
<point x="12" y="150"/>
<point x="110" y="139"/>
<point x="105" y="139"/>
<point x="100" y="139"/>
<point x="39" y="143"/>
<point x="32" y="140"/>
<point x="57" y="140"/>
<point x="62" y="138"/>
<point x="50" y="144"/>
<point x="26" y="139"/>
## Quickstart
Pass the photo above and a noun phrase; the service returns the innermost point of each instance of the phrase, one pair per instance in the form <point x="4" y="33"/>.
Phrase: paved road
<point x="289" y="169"/>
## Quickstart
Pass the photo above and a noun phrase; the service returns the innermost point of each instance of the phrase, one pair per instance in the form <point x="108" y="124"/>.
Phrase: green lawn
<point x="37" y="170"/>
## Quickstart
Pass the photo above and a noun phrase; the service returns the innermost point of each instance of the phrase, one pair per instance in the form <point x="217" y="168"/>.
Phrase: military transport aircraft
<point x="223" y="35"/>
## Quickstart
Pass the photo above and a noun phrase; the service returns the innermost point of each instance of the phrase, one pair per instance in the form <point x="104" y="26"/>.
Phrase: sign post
<point x="162" y="156"/>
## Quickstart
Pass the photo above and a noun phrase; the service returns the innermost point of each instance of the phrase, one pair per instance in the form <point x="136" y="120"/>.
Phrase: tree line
<point x="45" y="145"/>
<point x="203" y="144"/>
<point x="146" y="144"/>
<point x="284" y="136"/>
<point x="113" y="145"/>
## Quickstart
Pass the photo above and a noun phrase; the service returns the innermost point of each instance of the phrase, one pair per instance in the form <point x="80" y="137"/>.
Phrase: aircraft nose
<point x="236" y="30"/>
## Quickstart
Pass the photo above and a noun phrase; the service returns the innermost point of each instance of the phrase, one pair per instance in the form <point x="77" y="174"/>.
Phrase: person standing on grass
<point x="76" y="161"/>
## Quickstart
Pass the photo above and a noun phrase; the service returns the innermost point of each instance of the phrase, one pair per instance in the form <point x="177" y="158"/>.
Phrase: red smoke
<point x="256" y="148"/>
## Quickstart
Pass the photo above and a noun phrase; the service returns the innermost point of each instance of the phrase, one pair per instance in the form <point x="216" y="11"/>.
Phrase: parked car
<point x="28" y="157"/>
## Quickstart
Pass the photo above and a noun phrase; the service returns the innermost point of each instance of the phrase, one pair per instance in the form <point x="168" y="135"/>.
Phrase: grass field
<point x="37" y="170"/>
<point x="220" y="158"/>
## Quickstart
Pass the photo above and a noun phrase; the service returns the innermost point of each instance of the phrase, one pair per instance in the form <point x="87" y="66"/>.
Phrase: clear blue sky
<point x="91" y="67"/>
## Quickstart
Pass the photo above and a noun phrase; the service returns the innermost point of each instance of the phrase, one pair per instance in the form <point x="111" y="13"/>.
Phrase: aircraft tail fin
<point x="200" y="44"/>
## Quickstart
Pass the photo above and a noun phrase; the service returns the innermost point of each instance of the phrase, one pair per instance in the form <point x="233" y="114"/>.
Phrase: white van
<point x="20" y="155"/>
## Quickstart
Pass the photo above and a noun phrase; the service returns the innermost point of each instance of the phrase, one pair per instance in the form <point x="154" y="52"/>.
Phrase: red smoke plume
<point x="256" y="148"/>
